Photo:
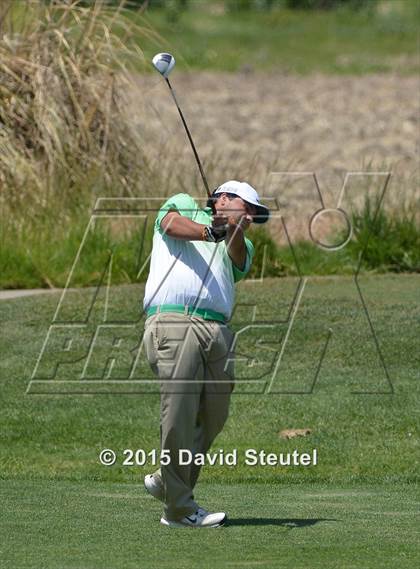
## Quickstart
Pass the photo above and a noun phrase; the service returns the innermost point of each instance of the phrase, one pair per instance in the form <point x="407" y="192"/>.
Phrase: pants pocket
<point x="150" y="348"/>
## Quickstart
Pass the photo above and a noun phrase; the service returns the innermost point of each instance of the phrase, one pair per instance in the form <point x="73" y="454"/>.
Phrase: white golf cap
<point x="248" y="194"/>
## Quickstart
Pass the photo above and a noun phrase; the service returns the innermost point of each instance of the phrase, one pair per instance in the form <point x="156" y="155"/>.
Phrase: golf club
<point x="164" y="63"/>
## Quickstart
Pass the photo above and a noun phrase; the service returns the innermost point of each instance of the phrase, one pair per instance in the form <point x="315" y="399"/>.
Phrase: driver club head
<point x="164" y="63"/>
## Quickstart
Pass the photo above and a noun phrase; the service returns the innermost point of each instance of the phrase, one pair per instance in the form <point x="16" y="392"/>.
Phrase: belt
<point x="205" y="313"/>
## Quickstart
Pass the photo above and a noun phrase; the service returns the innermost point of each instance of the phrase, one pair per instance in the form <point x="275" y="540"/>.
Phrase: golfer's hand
<point x="220" y="221"/>
<point x="220" y="224"/>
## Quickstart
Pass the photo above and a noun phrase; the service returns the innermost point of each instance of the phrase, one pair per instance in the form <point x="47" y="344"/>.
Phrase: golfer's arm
<point x="236" y="247"/>
<point x="180" y="227"/>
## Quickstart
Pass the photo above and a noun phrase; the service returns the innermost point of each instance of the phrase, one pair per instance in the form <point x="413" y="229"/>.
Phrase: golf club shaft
<point x="192" y="145"/>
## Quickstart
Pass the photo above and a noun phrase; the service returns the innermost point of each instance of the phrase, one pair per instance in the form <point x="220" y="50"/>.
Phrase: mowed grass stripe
<point x="95" y="524"/>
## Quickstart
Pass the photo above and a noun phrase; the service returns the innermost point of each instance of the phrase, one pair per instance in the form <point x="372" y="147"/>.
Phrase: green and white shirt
<point x="193" y="273"/>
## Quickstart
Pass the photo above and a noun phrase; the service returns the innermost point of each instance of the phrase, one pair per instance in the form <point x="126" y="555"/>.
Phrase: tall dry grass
<point x="65" y="69"/>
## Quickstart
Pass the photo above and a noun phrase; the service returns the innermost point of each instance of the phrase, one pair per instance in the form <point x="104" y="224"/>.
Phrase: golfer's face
<point x="236" y="206"/>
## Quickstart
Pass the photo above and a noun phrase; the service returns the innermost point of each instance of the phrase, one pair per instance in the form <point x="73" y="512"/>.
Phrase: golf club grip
<point x="197" y="158"/>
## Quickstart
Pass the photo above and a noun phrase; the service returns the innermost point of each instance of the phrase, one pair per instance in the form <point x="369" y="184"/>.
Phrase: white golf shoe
<point x="154" y="486"/>
<point x="201" y="519"/>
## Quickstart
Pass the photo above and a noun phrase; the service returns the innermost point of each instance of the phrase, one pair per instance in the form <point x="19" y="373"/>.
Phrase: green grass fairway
<point x="357" y="508"/>
<point x="293" y="41"/>
<point x="95" y="525"/>
<point x="342" y="41"/>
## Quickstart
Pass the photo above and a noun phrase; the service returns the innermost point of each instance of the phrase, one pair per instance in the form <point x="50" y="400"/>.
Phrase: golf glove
<point x="214" y="234"/>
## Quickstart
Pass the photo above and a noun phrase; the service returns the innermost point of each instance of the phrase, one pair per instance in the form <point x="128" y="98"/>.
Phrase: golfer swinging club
<point x="196" y="259"/>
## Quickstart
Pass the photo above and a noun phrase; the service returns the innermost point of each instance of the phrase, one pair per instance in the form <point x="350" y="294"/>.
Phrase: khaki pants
<point x="193" y="359"/>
